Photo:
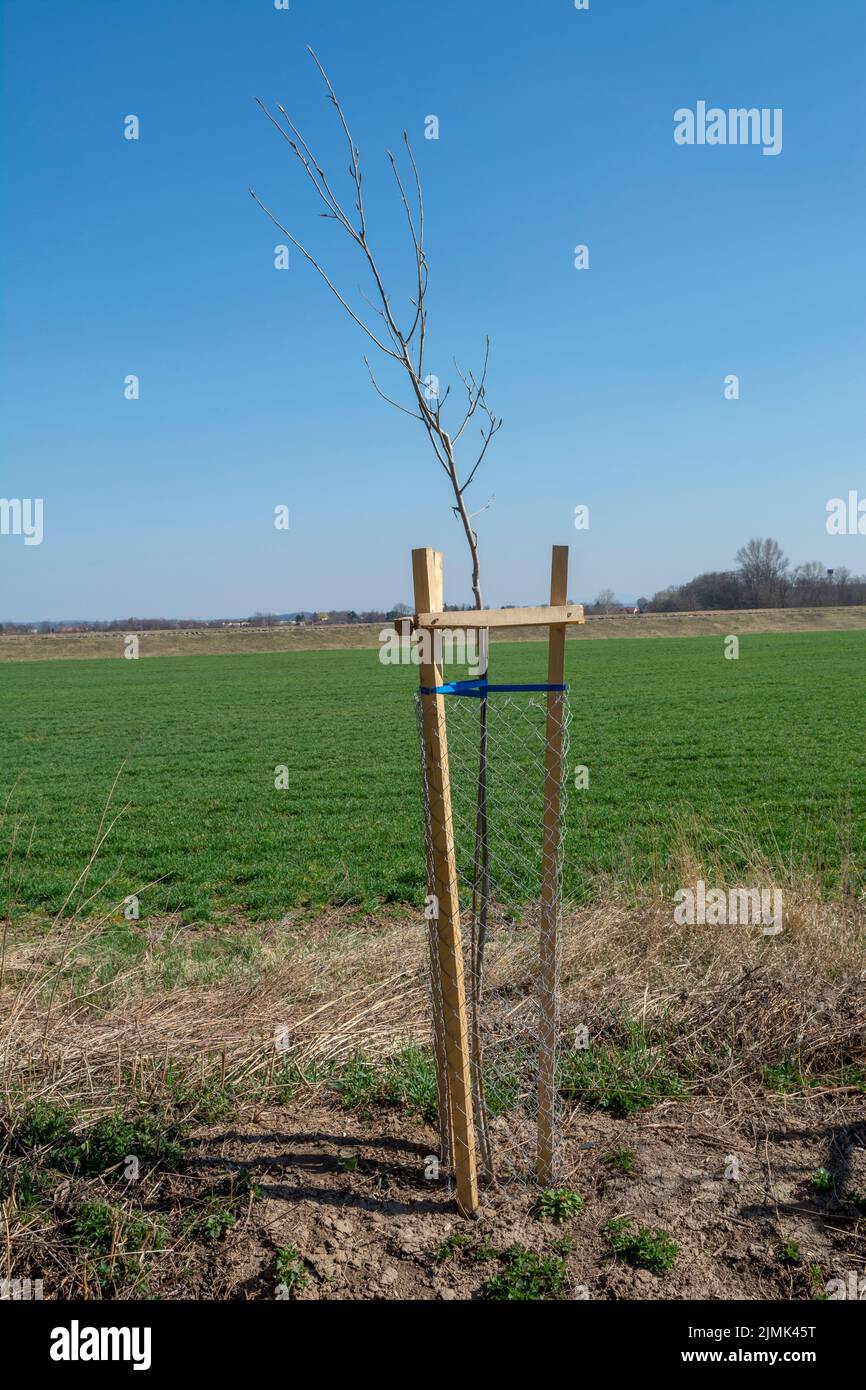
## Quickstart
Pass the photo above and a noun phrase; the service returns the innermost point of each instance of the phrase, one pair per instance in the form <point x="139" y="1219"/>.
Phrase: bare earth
<point x="374" y="1233"/>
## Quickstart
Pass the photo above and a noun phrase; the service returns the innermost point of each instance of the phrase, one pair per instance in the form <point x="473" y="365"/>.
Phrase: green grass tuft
<point x="622" y="1160"/>
<point x="648" y="1248"/>
<point x="622" y="1076"/>
<point x="527" y="1277"/>
<point x="557" y="1204"/>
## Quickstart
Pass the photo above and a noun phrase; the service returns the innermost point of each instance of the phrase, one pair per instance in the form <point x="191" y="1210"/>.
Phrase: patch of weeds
<point x="557" y="1204"/>
<point x="207" y="1100"/>
<point x="407" y="1079"/>
<point x="242" y="1183"/>
<point x="347" y="1163"/>
<point x="115" y="949"/>
<point x="482" y="1254"/>
<point x="148" y="1137"/>
<point x="789" y="1076"/>
<point x="619" y="1076"/>
<point x="285" y="1082"/>
<point x="219" y="1209"/>
<point x="527" y="1277"/>
<point x="822" y="1180"/>
<point x="622" y="1160"/>
<point x="785" y="1078"/>
<point x="790" y="1253"/>
<point x="116" y="1242"/>
<point x="857" y="1199"/>
<point x="291" y="1275"/>
<point x="410" y="1081"/>
<point x="647" y="1248"/>
<point x="26" y="1185"/>
<point x="42" y="1125"/>
<point x="563" y="1245"/>
<point x="501" y="1082"/>
<point x="213" y="1221"/>
<point x="458" y="1245"/>
<point x="818" y="1285"/>
<point x="451" y="1247"/>
<point x="359" y="1085"/>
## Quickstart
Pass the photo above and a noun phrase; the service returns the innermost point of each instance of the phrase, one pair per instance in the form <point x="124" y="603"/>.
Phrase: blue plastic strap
<point x="479" y="688"/>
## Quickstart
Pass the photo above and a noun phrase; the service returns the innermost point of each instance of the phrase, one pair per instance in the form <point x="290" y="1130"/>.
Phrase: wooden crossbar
<point x="552" y="615"/>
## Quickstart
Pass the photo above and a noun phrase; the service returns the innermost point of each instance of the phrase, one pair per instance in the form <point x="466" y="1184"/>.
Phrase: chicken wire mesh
<point x="508" y="870"/>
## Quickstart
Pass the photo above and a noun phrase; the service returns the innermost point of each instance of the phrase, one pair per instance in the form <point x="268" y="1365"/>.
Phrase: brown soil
<point x="373" y="1233"/>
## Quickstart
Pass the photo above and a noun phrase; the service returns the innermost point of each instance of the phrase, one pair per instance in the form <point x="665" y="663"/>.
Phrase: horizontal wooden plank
<point x="502" y="617"/>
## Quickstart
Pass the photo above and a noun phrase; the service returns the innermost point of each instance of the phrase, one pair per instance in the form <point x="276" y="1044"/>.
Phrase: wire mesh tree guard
<point x="493" y="759"/>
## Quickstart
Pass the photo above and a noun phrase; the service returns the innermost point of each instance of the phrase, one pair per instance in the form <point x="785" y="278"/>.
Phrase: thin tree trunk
<point x="480" y="866"/>
<point x="480" y="905"/>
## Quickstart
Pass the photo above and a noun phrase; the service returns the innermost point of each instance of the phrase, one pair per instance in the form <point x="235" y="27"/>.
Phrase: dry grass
<point x="724" y="999"/>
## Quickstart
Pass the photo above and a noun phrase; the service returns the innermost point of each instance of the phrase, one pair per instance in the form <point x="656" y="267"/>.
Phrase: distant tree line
<point x="300" y="619"/>
<point x="763" y="578"/>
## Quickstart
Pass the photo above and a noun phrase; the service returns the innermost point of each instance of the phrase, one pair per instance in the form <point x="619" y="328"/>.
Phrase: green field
<point x="764" y="755"/>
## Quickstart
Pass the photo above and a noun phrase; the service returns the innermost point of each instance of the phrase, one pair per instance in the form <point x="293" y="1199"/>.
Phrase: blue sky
<point x="556" y="128"/>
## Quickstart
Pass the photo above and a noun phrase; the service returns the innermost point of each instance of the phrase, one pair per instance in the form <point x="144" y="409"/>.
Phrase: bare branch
<point x="396" y="404"/>
<point x="475" y="390"/>
<point x="353" y="149"/>
<point x="494" y="426"/>
<point x="331" y="286"/>
<point x="399" y="347"/>
<point x="308" y="160"/>
<point x="416" y="246"/>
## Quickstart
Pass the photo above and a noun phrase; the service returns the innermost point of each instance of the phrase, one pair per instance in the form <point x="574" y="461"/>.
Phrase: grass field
<point x="694" y="761"/>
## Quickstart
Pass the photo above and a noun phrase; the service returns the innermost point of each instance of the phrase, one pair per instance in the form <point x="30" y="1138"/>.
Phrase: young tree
<point x="402" y="342"/>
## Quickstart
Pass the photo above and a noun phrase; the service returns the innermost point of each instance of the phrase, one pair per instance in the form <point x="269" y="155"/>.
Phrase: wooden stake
<point x="548" y="983"/>
<point x="428" y="581"/>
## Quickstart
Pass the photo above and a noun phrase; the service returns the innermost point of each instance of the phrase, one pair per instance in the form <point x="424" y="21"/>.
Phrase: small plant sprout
<point x="648" y="1248"/>
<point x="558" y="1204"/>
<point x="622" y="1160"/>
<point x="450" y="1247"/>
<point x="563" y="1245"/>
<point x="822" y="1180"/>
<point x="290" y="1271"/>
<point x="790" y="1253"/>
